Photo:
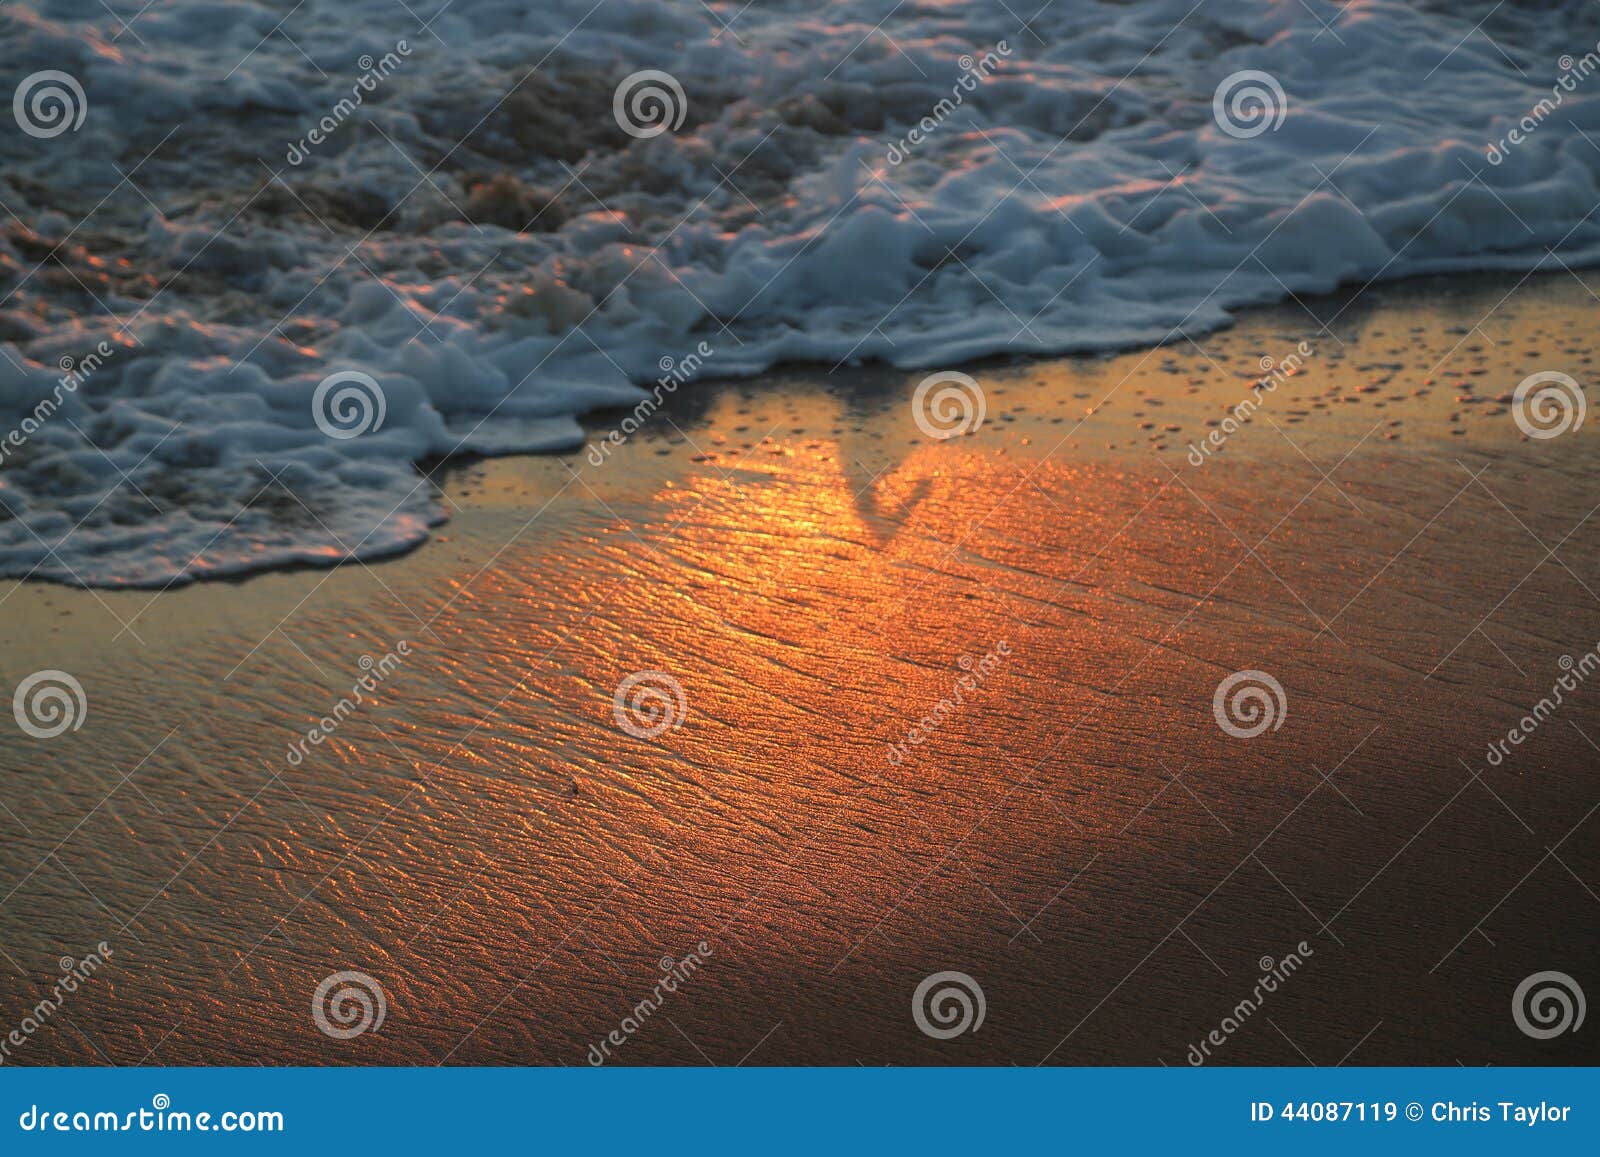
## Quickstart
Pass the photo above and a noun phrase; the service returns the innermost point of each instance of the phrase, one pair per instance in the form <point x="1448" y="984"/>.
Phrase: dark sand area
<point x="1080" y="836"/>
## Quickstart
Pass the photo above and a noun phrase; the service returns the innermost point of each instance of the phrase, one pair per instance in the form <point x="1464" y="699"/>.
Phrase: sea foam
<point x="453" y="206"/>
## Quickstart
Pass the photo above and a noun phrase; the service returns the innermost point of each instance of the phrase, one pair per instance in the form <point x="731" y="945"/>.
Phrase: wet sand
<point x="1079" y="835"/>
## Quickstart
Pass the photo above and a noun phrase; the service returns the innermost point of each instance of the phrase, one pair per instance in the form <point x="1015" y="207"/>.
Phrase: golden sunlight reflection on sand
<point x="818" y="577"/>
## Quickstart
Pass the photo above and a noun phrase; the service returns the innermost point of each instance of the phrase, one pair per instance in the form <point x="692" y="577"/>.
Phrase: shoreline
<point x="693" y="397"/>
